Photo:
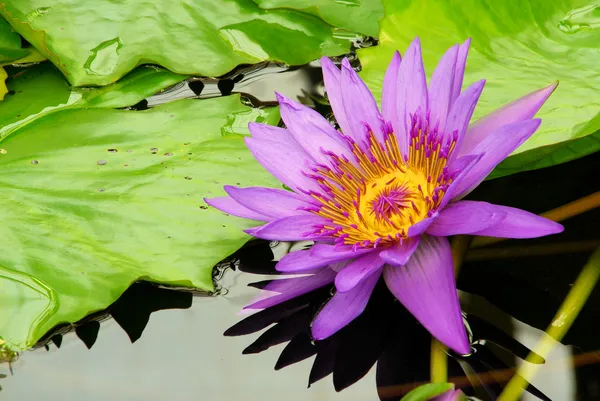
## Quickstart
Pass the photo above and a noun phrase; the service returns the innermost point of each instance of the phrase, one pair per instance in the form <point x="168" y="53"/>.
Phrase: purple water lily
<point x="380" y="195"/>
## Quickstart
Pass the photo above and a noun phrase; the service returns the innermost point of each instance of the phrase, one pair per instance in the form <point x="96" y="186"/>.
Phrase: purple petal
<point x="357" y="271"/>
<point x="426" y="287"/>
<point x="293" y="228"/>
<point x="495" y="148"/>
<point x="389" y="94"/>
<point x="271" y="202"/>
<point x="270" y="133"/>
<point x="304" y="260"/>
<point x="359" y="104"/>
<point x="462" y="111"/>
<point x="336" y="251"/>
<point x="284" y="160"/>
<point x="459" y="169"/>
<point x="291" y="288"/>
<point x="523" y="108"/>
<point x="520" y="224"/>
<point x="228" y="205"/>
<point x="332" y="77"/>
<point x="399" y="254"/>
<point x="412" y="86"/>
<point x="420" y="227"/>
<point x="311" y="130"/>
<point x="465" y="217"/>
<point x="343" y="308"/>
<point x="459" y="73"/>
<point x="452" y="395"/>
<point x="441" y="88"/>
<point x="389" y="103"/>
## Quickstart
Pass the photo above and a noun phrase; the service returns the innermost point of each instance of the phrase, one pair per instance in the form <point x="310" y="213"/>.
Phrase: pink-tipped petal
<point x="303" y="260"/>
<point x="465" y="217"/>
<point x="311" y="130"/>
<point x="285" y="161"/>
<point x="520" y="224"/>
<point x="270" y="133"/>
<point x="441" y="88"/>
<point x="332" y="77"/>
<point x="229" y="205"/>
<point x="399" y="254"/>
<point x="293" y="228"/>
<point x="271" y="202"/>
<point x="523" y="108"/>
<point x="357" y="271"/>
<point x="459" y="73"/>
<point x="495" y="148"/>
<point x="359" y="104"/>
<point x="426" y="287"/>
<point x="289" y="288"/>
<point x="343" y="308"/>
<point x="462" y="111"/>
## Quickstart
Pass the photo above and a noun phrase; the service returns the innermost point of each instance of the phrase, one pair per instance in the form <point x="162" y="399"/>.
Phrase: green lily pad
<point x="518" y="51"/>
<point x="97" y="42"/>
<point x="94" y="199"/>
<point x="41" y="89"/>
<point x="10" y="43"/>
<point x="427" y="391"/>
<point x="361" y="16"/>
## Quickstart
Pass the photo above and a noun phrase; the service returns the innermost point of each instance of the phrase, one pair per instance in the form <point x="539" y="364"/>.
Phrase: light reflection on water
<point x="181" y="356"/>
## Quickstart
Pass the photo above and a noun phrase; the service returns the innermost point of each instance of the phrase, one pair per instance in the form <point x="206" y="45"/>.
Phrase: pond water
<point x="182" y="354"/>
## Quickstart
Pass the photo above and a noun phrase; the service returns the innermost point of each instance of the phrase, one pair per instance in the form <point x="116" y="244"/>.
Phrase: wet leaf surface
<point x="88" y="208"/>
<point x="10" y="43"/>
<point x="41" y="90"/>
<point x="96" y="43"/>
<point x="517" y="52"/>
<point x="361" y="16"/>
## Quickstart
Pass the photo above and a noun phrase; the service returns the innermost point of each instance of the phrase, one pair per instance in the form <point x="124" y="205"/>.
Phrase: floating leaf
<point x="95" y="43"/>
<point x="10" y="43"/>
<point x="95" y="199"/>
<point x="361" y="16"/>
<point x="517" y="52"/>
<point x="41" y="89"/>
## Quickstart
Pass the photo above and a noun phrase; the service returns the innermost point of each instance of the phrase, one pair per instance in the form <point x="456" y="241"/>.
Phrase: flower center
<point x="392" y="203"/>
<point x="374" y="199"/>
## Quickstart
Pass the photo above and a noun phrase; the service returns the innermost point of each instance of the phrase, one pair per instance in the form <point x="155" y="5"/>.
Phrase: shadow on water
<point x="184" y="355"/>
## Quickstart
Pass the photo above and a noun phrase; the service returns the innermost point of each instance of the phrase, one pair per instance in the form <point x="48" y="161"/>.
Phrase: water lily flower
<point x="379" y="196"/>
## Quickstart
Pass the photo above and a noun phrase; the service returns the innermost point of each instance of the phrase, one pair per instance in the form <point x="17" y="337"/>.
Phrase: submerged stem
<point x="561" y="323"/>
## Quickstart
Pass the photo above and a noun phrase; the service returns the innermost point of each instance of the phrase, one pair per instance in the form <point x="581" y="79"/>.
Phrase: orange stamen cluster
<point x="374" y="199"/>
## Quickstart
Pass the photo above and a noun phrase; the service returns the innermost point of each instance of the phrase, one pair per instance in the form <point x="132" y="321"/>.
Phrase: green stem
<point x="439" y="362"/>
<point x="561" y="323"/>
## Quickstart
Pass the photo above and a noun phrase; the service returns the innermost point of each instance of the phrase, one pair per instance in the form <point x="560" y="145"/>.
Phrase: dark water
<point x="180" y="352"/>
